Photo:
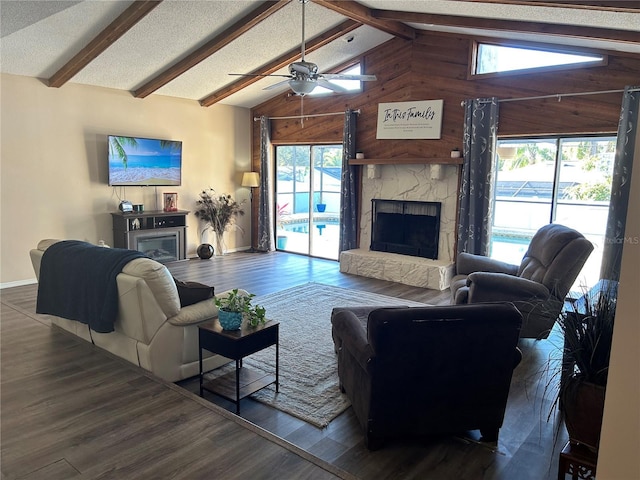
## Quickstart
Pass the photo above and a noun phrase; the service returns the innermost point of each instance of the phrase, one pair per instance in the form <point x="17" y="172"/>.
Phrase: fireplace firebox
<point x="406" y="227"/>
<point x="161" y="245"/>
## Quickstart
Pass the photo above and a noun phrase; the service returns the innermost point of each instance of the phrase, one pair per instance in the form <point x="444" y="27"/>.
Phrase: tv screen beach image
<point x="144" y="161"/>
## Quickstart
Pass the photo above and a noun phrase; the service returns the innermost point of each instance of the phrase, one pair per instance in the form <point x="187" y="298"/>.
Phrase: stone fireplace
<point x="419" y="183"/>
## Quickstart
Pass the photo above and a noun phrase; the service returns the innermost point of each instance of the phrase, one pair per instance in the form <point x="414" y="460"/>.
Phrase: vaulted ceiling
<point x="188" y="48"/>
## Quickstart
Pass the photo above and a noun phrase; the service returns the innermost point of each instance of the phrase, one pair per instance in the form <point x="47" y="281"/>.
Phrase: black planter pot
<point x="205" y="251"/>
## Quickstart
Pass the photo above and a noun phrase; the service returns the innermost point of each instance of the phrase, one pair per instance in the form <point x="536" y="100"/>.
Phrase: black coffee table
<point x="237" y="344"/>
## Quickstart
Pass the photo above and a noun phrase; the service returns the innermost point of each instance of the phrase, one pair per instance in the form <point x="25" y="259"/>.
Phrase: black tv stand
<point x="160" y="235"/>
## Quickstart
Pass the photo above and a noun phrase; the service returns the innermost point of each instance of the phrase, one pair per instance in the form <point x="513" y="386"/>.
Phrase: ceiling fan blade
<point x="258" y="75"/>
<point x="344" y="76"/>
<point x="277" y="85"/>
<point x="331" y="86"/>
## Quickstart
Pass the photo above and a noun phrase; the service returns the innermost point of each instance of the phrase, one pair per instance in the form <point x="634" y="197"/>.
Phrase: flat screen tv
<point x="135" y="161"/>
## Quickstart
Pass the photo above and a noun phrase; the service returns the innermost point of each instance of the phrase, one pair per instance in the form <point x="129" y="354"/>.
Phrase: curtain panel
<point x="349" y="186"/>
<point x="621" y="184"/>
<point x="266" y="241"/>
<point x="476" y="188"/>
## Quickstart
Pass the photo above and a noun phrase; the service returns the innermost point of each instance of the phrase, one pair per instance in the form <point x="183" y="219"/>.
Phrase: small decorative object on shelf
<point x="125" y="206"/>
<point x="455" y="153"/>
<point x="359" y="155"/>
<point x="205" y="251"/>
<point x="170" y="202"/>
<point x="237" y="306"/>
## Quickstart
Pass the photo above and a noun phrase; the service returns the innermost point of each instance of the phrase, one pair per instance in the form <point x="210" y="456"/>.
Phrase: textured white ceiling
<point x="270" y="39"/>
<point x="38" y="37"/>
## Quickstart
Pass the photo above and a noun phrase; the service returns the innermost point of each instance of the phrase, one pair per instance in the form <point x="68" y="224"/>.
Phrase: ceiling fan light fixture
<point x="302" y="87"/>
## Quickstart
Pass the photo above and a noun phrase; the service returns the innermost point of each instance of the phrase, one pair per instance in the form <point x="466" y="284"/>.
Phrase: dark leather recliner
<point x="427" y="370"/>
<point x="537" y="286"/>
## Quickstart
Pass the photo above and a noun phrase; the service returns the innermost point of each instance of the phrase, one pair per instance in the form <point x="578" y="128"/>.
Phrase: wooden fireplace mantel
<point x="406" y="161"/>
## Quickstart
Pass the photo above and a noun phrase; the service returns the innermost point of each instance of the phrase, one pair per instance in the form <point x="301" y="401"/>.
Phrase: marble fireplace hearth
<point x="393" y="267"/>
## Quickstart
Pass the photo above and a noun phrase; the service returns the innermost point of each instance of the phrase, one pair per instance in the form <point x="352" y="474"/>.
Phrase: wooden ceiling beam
<point x="240" y="27"/>
<point x="127" y="19"/>
<point x="628" y="6"/>
<point x="573" y="31"/>
<point x="280" y="62"/>
<point x="363" y="14"/>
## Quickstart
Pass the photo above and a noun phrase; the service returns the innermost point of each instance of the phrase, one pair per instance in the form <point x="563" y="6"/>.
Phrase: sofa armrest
<point x="468" y="263"/>
<point x="196" y="313"/>
<point x="353" y="335"/>
<point x="36" y="254"/>
<point x="201" y="311"/>
<point x="501" y="287"/>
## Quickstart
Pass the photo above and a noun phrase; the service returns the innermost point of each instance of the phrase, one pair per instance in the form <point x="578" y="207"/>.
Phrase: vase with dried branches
<point x="219" y="214"/>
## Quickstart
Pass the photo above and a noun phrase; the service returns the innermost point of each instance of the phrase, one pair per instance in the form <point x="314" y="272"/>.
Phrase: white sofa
<point x="151" y="329"/>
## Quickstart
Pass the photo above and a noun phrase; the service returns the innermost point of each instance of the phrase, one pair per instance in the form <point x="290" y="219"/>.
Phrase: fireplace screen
<point x="162" y="247"/>
<point x="406" y="227"/>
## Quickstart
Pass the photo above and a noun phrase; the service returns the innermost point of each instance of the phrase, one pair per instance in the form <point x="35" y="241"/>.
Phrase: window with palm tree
<point x="564" y="180"/>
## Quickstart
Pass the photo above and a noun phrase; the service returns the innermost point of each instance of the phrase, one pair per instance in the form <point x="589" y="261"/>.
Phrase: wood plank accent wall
<point x="435" y="66"/>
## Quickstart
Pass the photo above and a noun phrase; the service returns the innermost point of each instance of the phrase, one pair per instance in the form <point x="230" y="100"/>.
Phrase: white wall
<point x="619" y="458"/>
<point x="54" y="162"/>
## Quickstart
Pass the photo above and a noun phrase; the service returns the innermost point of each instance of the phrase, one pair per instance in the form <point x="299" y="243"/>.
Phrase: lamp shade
<point x="250" y="179"/>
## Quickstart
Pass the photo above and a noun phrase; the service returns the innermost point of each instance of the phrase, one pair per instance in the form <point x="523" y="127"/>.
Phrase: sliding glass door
<point x="308" y="199"/>
<point x="565" y="180"/>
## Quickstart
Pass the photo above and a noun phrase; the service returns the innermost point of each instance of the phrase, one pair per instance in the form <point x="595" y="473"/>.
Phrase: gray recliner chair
<point x="537" y="286"/>
<point x="427" y="370"/>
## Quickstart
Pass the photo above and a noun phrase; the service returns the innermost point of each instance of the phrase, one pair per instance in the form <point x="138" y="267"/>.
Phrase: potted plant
<point x="588" y="333"/>
<point x="218" y="212"/>
<point x="320" y="205"/>
<point x="281" y="236"/>
<point x="237" y="306"/>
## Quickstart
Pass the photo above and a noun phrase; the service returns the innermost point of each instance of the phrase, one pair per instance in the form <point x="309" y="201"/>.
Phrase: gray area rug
<point x="308" y="365"/>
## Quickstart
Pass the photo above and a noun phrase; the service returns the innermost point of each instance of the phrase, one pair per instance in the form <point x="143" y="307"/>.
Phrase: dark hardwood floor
<point x="528" y="447"/>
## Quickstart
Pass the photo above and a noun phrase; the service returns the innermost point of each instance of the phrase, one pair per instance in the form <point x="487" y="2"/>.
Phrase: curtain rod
<point x="255" y="119"/>
<point x="560" y="95"/>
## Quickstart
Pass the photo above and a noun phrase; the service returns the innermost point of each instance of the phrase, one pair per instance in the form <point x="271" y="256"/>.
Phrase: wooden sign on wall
<point x="410" y="120"/>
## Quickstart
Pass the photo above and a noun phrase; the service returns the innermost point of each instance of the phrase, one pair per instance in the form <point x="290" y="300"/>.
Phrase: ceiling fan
<point x="304" y="77"/>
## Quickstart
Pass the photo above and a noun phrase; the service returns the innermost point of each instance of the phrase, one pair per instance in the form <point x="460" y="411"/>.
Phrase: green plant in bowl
<point x="241" y="303"/>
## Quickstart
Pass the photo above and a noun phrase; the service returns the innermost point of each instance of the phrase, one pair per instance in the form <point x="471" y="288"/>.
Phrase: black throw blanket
<point x="78" y="282"/>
